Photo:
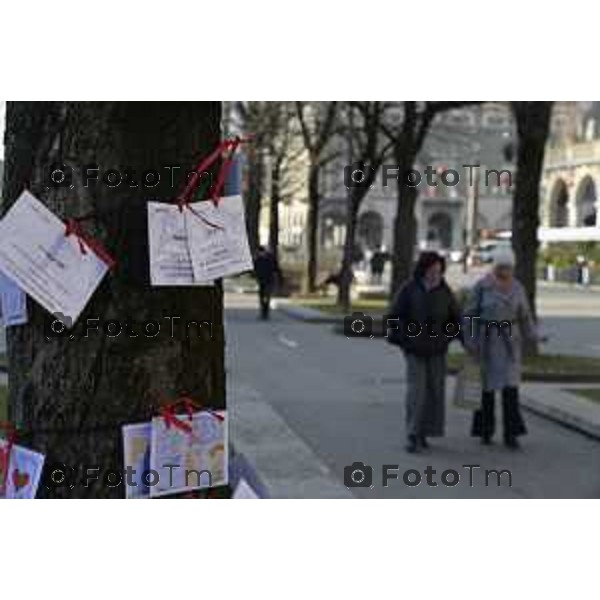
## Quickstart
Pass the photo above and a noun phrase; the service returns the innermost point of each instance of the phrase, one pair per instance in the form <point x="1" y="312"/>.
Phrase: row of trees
<point x="372" y="133"/>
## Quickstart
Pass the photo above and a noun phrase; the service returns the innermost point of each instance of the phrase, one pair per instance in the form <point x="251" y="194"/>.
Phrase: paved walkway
<point x="343" y="401"/>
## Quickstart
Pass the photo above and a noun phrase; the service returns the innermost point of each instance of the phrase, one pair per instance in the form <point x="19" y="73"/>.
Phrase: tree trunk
<point x="312" y="226"/>
<point x="71" y="397"/>
<point x="274" y="210"/>
<point x="405" y="232"/>
<point x="253" y="196"/>
<point x="533" y="123"/>
<point x="405" y="224"/>
<point x="345" y="282"/>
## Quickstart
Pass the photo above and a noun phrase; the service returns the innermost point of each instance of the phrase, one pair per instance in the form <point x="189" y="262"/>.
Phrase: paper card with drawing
<point x="170" y="259"/>
<point x="60" y="272"/>
<point x="218" y="240"/>
<point x="13" y="303"/>
<point x="136" y="454"/>
<point x="24" y="473"/>
<point x="189" y="460"/>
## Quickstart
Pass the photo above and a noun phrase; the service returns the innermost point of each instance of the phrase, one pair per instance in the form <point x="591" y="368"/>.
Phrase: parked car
<point x="484" y="252"/>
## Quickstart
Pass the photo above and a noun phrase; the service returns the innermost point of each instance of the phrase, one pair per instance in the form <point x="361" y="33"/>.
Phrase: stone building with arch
<point x="570" y="185"/>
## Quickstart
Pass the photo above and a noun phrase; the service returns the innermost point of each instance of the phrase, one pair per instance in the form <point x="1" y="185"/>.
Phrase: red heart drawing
<point x="20" y="479"/>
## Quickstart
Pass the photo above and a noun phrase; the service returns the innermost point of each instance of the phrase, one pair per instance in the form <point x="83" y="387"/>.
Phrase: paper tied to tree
<point x="20" y="474"/>
<point x="197" y="243"/>
<point x="222" y="249"/>
<point x="199" y="457"/>
<point x="191" y="456"/>
<point x="136" y="454"/>
<point x="170" y="258"/>
<point x="13" y="303"/>
<point x="60" y="272"/>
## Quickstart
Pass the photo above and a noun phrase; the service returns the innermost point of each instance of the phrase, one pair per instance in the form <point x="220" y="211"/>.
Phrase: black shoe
<point x="512" y="443"/>
<point x="423" y="441"/>
<point x="412" y="446"/>
<point x="486" y="440"/>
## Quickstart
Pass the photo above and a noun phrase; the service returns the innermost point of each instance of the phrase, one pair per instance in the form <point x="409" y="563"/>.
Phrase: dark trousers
<point x="512" y="420"/>
<point x="264" y="297"/>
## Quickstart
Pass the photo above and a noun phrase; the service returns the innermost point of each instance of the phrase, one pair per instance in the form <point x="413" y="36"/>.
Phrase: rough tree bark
<point x="72" y="396"/>
<point x="533" y="126"/>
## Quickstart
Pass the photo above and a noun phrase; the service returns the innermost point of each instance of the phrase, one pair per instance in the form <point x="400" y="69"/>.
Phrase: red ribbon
<point x="225" y="166"/>
<point x="5" y="453"/>
<point x="171" y="419"/>
<point x="169" y="413"/>
<point x="205" y="163"/>
<point x="72" y="227"/>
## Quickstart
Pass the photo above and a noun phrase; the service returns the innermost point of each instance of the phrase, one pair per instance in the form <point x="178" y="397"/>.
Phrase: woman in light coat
<point x="504" y="321"/>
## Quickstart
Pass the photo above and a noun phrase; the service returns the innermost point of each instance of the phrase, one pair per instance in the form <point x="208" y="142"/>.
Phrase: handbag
<point x="467" y="389"/>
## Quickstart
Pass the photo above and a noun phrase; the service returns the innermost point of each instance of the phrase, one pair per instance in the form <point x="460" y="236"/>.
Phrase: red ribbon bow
<point x="169" y="413"/>
<point x="215" y="190"/>
<point x="72" y="227"/>
<point x="5" y="453"/>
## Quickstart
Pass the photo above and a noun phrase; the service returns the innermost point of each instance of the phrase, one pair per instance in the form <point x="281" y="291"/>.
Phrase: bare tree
<point x="318" y="125"/>
<point x="362" y="130"/>
<point x="533" y="127"/>
<point x="413" y="120"/>
<point x="71" y="397"/>
<point x="251" y="118"/>
<point x="282" y="155"/>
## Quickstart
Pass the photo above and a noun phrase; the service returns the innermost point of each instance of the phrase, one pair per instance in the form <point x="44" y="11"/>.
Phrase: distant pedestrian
<point x="377" y="265"/>
<point x="267" y="274"/>
<point x="495" y="337"/>
<point x="583" y="271"/>
<point x="428" y="319"/>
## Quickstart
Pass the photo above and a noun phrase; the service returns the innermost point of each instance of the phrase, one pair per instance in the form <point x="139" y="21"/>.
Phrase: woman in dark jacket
<point x="425" y="318"/>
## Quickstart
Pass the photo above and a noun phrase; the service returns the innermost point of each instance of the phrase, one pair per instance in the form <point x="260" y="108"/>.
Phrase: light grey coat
<point x="499" y="347"/>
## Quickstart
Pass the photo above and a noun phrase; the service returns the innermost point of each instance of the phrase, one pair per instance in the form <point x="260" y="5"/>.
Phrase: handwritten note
<point x="60" y="272"/>
<point x="221" y="249"/>
<point x="170" y="258"/>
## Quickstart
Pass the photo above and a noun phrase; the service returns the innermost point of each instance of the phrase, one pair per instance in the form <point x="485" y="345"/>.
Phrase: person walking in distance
<point x="425" y="318"/>
<point x="500" y="319"/>
<point x="267" y="273"/>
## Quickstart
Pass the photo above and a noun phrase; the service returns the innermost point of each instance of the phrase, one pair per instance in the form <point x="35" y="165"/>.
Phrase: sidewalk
<point x="554" y="402"/>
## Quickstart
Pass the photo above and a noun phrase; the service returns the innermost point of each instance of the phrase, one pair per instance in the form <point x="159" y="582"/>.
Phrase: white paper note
<point x="24" y="472"/>
<point x="13" y="303"/>
<point x="198" y="459"/>
<point x="218" y="251"/>
<point x="45" y="263"/>
<point x="136" y="454"/>
<point x="244" y="491"/>
<point x="170" y="259"/>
